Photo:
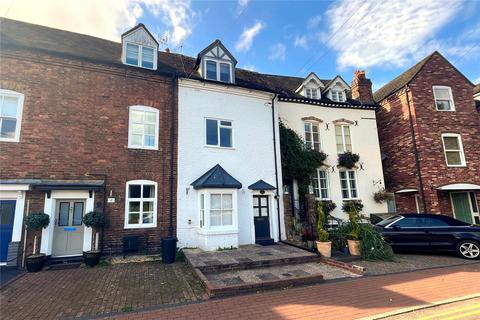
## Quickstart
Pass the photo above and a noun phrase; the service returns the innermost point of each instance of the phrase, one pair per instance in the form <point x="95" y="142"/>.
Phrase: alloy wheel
<point x="470" y="250"/>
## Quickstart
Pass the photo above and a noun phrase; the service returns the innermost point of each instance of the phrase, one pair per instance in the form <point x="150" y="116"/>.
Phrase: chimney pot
<point x="167" y="50"/>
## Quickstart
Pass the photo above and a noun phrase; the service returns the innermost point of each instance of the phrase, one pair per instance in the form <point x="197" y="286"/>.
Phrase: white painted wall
<point x="251" y="159"/>
<point x="364" y="142"/>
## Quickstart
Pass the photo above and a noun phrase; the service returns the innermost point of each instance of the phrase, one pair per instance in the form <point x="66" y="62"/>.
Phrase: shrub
<point x="328" y="206"/>
<point x="321" y="220"/>
<point x="372" y="245"/>
<point x="37" y="221"/>
<point x="348" y="159"/>
<point x="352" y="205"/>
<point x="94" y="219"/>
<point x="339" y="235"/>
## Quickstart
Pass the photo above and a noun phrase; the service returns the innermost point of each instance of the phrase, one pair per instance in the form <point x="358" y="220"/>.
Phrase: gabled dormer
<point x="139" y="48"/>
<point x="217" y="63"/>
<point x="337" y="89"/>
<point x="311" y="87"/>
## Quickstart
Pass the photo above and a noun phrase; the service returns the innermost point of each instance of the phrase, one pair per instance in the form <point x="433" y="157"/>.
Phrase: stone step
<point x="226" y="283"/>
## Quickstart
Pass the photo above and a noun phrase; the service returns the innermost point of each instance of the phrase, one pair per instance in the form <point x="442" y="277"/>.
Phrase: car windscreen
<point x="387" y="221"/>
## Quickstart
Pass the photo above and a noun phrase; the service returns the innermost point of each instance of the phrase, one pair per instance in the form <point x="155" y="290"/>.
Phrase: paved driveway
<point x="86" y="292"/>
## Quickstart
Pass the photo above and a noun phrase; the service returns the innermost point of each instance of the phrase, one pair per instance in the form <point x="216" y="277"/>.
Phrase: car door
<point x="443" y="233"/>
<point x="409" y="233"/>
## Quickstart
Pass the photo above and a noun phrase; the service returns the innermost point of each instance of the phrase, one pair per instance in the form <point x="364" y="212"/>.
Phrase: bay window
<point x="141" y="204"/>
<point x="217" y="209"/>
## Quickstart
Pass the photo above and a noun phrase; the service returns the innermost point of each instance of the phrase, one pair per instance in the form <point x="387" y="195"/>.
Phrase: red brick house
<point x="429" y="134"/>
<point x="70" y="104"/>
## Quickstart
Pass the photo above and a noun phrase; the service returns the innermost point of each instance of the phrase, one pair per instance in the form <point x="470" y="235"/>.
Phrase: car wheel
<point x="468" y="249"/>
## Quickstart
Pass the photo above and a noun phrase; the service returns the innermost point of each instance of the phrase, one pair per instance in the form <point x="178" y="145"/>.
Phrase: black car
<point x="431" y="232"/>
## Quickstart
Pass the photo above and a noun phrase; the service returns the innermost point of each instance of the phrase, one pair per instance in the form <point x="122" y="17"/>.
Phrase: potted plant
<point x="348" y="159"/>
<point x="94" y="220"/>
<point x="380" y="196"/>
<point x="353" y="207"/>
<point x="36" y="222"/>
<point x="324" y="246"/>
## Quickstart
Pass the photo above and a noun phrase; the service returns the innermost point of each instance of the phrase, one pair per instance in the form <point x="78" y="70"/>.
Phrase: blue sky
<point x="285" y="37"/>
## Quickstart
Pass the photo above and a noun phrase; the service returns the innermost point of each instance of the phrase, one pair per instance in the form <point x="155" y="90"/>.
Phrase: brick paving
<point x="343" y="300"/>
<point x="88" y="292"/>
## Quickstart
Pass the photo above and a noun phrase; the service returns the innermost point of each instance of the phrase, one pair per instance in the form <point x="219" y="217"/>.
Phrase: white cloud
<point x="104" y="19"/>
<point x="242" y="5"/>
<point x="301" y="41"/>
<point x="278" y="52"/>
<point x="386" y="32"/>
<point x="250" y="67"/>
<point x="313" y="22"/>
<point x="245" y="41"/>
<point x="476" y="81"/>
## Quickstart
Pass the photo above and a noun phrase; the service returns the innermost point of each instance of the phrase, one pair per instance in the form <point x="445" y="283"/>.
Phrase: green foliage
<point x="37" y="221"/>
<point x="352" y="205"/>
<point x="94" y="219"/>
<point x="339" y="235"/>
<point x="127" y="308"/>
<point x="321" y="221"/>
<point x="180" y="256"/>
<point x="348" y="159"/>
<point x="298" y="162"/>
<point x="380" y="196"/>
<point x="328" y="206"/>
<point x="372" y="245"/>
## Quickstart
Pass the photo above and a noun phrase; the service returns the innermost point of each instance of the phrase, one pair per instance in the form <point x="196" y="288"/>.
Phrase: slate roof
<point x="261" y="185"/>
<point x="25" y="36"/>
<point x="216" y="177"/>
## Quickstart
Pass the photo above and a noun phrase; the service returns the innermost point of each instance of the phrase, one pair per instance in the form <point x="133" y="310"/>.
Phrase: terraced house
<point x="429" y="135"/>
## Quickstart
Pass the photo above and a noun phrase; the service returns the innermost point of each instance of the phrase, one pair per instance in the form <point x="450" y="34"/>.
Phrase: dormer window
<point x="311" y="87"/>
<point x="311" y="93"/>
<point x="217" y="63"/>
<point x="139" y="48"/>
<point x="338" y="96"/>
<point x="337" y="90"/>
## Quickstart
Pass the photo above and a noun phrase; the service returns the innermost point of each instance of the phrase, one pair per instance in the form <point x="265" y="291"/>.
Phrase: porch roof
<point x="261" y="185"/>
<point x="216" y="177"/>
<point x="49" y="184"/>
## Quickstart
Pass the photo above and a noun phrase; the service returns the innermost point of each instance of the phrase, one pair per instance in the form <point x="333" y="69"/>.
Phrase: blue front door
<point x="7" y="212"/>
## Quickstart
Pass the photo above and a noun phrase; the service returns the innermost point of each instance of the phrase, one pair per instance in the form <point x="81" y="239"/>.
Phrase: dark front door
<point x="7" y="212"/>
<point x="261" y="216"/>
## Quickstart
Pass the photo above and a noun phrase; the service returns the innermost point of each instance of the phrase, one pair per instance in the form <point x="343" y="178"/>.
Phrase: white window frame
<point x="327" y="178"/>
<point x="337" y="95"/>
<point x="217" y="65"/>
<point x="308" y="93"/>
<point x="130" y="131"/>
<point x="205" y="223"/>
<point x="452" y="103"/>
<point x="140" y="55"/>
<point x="140" y="225"/>
<point x="342" y="126"/>
<point x="311" y="134"/>
<point x="460" y="143"/>
<point x="219" y="125"/>
<point x="349" y="188"/>
<point x="20" y="99"/>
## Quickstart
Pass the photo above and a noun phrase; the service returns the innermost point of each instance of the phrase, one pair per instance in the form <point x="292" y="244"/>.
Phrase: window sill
<point x="218" y="147"/>
<point x="142" y="148"/>
<point x="9" y="140"/>
<point x="445" y="110"/>
<point x="215" y="231"/>
<point x="456" y="165"/>
<point x="138" y="66"/>
<point x="148" y="226"/>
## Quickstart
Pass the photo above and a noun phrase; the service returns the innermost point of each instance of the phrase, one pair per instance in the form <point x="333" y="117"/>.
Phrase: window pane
<point x="314" y="94"/>
<point x="451" y="143"/>
<point x="149" y="129"/>
<point x="133" y="218"/>
<point x="147" y="206"/>
<point x="9" y="107"/>
<point x="256" y="212"/>
<point x="137" y="128"/>
<point x="211" y="70"/>
<point x="149" y="141"/>
<point x="227" y="218"/>
<point x="225" y="137"/>
<point x="77" y="213"/>
<point x="263" y="201"/>
<point x="212" y="132"/>
<point x="227" y="201"/>
<point x="134" y="191"/>
<point x="137" y="116"/>
<point x="148" y="191"/>
<point x="147" y="217"/>
<point x="345" y="194"/>
<point x="151" y="117"/>
<point x="132" y="54"/>
<point x="7" y="129"/>
<point x="443" y="104"/>
<point x="134" y="206"/>
<point x="147" y="57"/>
<point x="442" y="94"/>
<point x="453" y="158"/>
<point x="226" y="123"/>
<point x="63" y="214"/>
<point x="137" y="139"/>
<point x="224" y="72"/>
<point x="215" y="201"/>
<point x="215" y="219"/>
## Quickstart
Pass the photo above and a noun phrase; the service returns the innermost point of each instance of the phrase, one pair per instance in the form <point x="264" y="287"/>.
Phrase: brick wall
<point x="396" y="142"/>
<point x="75" y="121"/>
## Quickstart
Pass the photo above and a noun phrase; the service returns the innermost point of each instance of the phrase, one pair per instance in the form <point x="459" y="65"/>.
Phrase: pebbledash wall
<point x="428" y="125"/>
<point x="250" y="159"/>
<point x="75" y="121"/>
<point x="364" y="142"/>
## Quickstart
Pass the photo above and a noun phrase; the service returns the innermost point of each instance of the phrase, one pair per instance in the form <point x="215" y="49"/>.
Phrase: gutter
<point x="415" y="150"/>
<point x="277" y="196"/>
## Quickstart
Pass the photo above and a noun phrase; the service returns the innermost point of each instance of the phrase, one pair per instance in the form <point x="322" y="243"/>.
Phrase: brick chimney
<point x="361" y="87"/>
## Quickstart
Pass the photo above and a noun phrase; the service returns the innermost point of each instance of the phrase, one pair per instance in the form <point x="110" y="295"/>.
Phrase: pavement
<point x="352" y="299"/>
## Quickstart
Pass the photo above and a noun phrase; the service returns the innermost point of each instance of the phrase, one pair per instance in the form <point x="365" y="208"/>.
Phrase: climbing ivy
<point x="298" y="162"/>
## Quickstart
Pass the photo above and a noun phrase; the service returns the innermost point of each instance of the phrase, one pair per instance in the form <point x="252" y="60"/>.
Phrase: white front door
<point x="68" y="230"/>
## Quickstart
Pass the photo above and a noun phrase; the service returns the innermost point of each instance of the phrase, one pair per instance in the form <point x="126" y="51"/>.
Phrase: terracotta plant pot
<point x="354" y="247"/>
<point x="91" y="258"/>
<point x="35" y="262"/>
<point x="325" y="248"/>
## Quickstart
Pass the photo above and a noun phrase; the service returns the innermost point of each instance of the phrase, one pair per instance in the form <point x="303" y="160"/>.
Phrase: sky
<point x="383" y="37"/>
